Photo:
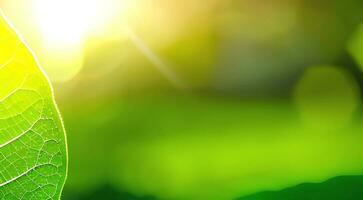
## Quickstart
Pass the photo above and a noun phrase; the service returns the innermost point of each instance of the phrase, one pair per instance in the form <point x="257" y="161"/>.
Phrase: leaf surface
<point x="33" y="151"/>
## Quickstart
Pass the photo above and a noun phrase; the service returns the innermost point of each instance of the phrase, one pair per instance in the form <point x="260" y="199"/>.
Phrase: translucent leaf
<point x="33" y="151"/>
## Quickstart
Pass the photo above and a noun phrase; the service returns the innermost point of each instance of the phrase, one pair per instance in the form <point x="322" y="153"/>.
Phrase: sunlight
<point x="64" y="26"/>
<point x="66" y="21"/>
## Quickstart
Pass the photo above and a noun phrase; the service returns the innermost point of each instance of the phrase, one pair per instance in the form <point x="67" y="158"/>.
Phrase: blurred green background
<point x="213" y="99"/>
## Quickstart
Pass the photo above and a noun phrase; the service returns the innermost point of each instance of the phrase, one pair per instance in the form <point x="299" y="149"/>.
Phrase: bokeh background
<point x="212" y="99"/>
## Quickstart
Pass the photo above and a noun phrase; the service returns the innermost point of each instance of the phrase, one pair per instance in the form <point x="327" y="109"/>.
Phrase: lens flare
<point x="64" y="26"/>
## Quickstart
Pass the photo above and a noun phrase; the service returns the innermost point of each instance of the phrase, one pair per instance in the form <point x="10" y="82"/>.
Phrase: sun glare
<point x="64" y="26"/>
<point x="65" y="21"/>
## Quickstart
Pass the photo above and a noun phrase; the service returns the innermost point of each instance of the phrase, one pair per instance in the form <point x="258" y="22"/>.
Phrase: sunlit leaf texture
<point x="33" y="159"/>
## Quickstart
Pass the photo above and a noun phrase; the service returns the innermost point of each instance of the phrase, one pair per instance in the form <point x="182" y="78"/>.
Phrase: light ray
<point x="156" y="60"/>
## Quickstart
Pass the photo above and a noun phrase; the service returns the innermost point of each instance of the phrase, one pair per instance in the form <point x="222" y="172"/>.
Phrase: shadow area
<point x="339" y="188"/>
<point x="105" y="192"/>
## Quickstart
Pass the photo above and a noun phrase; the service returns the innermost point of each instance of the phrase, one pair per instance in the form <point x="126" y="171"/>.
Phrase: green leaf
<point x="33" y="151"/>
